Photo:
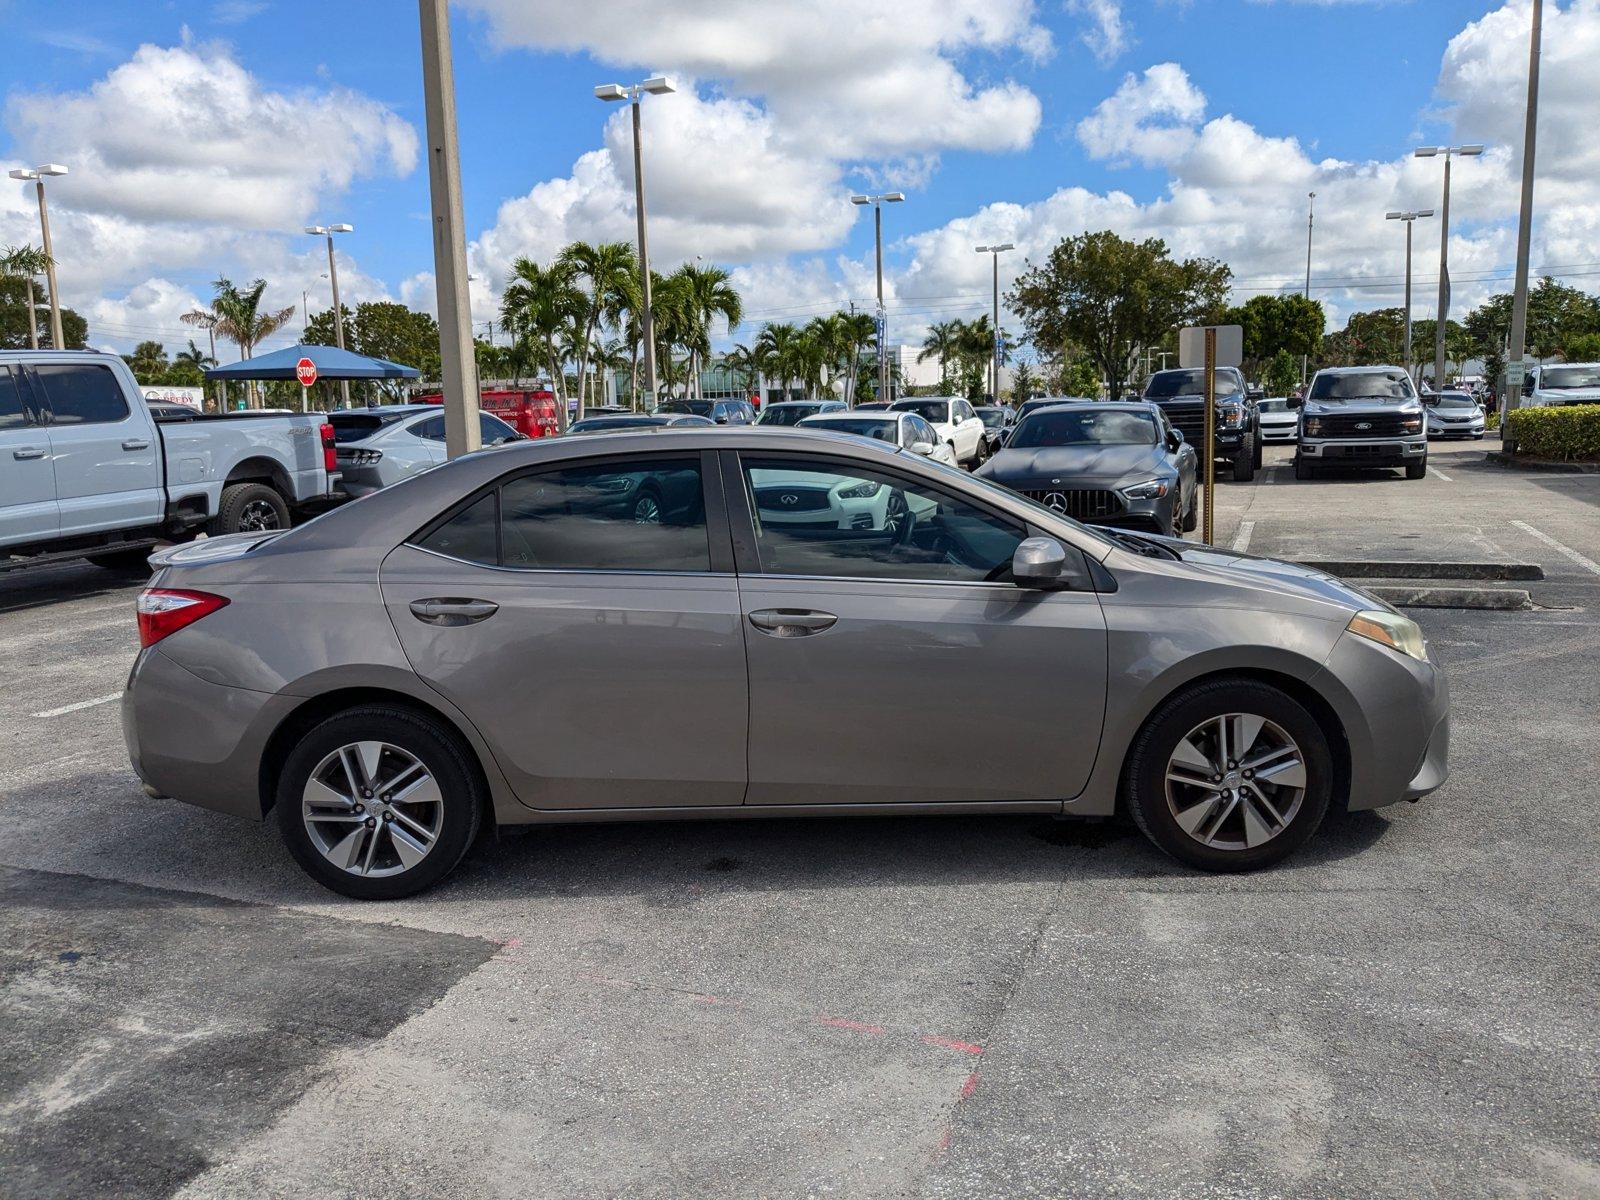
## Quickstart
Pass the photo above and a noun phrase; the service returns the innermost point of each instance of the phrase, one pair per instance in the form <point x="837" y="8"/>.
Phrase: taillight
<point x="330" y="455"/>
<point x="164" y="611"/>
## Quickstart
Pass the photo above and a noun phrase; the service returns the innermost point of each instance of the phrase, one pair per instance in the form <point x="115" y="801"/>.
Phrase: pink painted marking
<point x="952" y="1044"/>
<point x="970" y="1085"/>
<point x="846" y="1023"/>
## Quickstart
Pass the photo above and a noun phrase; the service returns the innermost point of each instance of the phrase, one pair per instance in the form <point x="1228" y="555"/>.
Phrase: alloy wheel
<point x="1236" y="781"/>
<point x="646" y="511"/>
<point x="258" y="516"/>
<point x="372" y="809"/>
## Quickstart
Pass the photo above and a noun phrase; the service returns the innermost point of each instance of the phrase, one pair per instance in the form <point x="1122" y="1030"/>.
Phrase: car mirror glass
<point x="1038" y="562"/>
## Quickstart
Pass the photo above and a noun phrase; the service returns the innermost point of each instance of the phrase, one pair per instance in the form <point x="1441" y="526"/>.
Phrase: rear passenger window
<point x="471" y="535"/>
<point x="12" y="414"/>
<point x="431" y="430"/>
<point x="631" y="515"/>
<point x="82" y="394"/>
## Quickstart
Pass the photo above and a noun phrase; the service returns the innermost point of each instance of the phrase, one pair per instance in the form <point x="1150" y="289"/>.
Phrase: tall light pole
<point x="1444" y="251"/>
<point x="877" y="203"/>
<point x="38" y="176"/>
<point x="1519" y="300"/>
<point x="1311" y="212"/>
<point x="656" y="85"/>
<point x="328" y="231"/>
<point x="1408" y="218"/>
<point x="995" y="252"/>
<point x="457" y="362"/>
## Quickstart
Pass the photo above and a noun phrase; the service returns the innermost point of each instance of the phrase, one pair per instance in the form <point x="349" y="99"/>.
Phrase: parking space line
<point x="1440" y="474"/>
<point x="1588" y="564"/>
<point x="1241" y="540"/>
<point x="79" y="706"/>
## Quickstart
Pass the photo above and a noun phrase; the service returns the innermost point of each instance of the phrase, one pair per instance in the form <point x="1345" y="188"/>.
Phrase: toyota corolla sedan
<point x="512" y="639"/>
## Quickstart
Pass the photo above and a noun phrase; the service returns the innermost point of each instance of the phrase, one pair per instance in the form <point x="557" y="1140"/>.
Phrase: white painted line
<point x="1270" y="475"/>
<point x="1440" y="474"/>
<point x="1588" y="564"/>
<point x="1241" y="540"/>
<point x="79" y="706"/>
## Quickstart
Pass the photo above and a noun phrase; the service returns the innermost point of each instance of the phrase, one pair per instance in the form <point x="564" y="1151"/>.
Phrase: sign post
<point x="305" y="371"/>
<point x="1210" y="347"/>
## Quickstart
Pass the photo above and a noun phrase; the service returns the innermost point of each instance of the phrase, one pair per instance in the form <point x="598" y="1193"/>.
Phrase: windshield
<point x="1084" y="427"/>
<point x="1452" y="400"/>
<point x="1272" y="406"/>
<point x="881" y="428"/>
<point x="1164" y="385"/>
<point x="1362" y="385"/>
<point x="788" y="414"/>
<point x="1570" y="377"/>
<point x="355" y="427"/>
<point x="992" y="418"/>
<point x="928" y="410"/>
<point x="698" y="408"/>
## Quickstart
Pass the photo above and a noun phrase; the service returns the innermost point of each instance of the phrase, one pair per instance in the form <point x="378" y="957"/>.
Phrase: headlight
<point x="1411" y="424"/>
<point x="1150" y="489"/>
<point x="1391" y="630"/>
<point x="865" y="490"/>
<point x="1232" y="418"/>
<point x="1311" y="426"/>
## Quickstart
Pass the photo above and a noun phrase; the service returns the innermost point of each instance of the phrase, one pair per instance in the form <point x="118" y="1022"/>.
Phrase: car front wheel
<point x="379" y="802"/>
<point x="1230" y="775"/>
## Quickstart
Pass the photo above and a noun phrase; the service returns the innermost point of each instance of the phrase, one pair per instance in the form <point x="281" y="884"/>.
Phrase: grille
<point x="1378" y="425"/>
<point x="1086" y="504"/>
<point x="792" y="499"/>
<point x="1191" y="424"/>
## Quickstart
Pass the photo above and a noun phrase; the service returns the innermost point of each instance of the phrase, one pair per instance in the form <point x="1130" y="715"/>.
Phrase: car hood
<point x="1568" y="395"/>
<point x="1072" y="466"/>
<point x="1285" y="577"/>
<point x="1318" y="408"/>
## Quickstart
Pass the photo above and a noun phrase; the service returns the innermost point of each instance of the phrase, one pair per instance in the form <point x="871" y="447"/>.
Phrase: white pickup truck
<point x="87" y="471"/>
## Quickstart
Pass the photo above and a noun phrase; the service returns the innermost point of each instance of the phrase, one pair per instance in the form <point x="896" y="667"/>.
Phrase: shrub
<point x="1568" y="433"/>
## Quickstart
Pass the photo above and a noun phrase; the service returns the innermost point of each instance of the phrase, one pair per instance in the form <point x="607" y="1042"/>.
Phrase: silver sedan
<point x="599" y="629"/>
<point x="377" y="447"/>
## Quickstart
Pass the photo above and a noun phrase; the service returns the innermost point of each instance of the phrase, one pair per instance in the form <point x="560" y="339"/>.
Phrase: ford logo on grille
<point x="789" y="498"/>
<point x="1056" y="500"/>
<point x="1363" y="424"/>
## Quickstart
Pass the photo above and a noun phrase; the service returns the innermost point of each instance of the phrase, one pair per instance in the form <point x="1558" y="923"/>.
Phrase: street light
<point x="1311" y="212"/>
<point x="1470" y="151"/>
<point x="38" y="176"/>
<point x="328" y="231"/>
<point x="877" y="203"/>
<point x="656" y="85"/>
<point x="1408" y="218"/>
<point x="995" y="252"/>
<point x="1519" y="287"/>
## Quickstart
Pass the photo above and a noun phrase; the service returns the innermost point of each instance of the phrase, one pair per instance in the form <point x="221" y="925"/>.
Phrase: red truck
<point x="531" y="413"/>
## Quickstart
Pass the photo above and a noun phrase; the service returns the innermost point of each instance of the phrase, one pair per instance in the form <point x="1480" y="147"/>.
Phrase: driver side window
<point x="825" y="518"/>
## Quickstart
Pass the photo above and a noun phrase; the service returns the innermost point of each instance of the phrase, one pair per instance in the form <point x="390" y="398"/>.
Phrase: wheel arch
<point x="262" y="470"/>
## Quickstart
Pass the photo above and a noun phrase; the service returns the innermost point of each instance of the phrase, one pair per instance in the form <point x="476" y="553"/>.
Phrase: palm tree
<point x="25" y="262"/>
<point x="776" y="350"/>
<point x="942" y="342"/>
<point x="608" y="269"/>
<point x="856" y="330"/>
<point x="709" y="294"/>
<point x="195" y="357"/>
<point x="236" y="314"/>
<point x="672" y="307"/>
<point x="744" y="365"/>
<point x="537" y="305"/>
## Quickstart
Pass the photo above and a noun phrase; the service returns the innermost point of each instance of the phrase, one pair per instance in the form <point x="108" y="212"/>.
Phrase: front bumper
<point x="1473" y="428"/>
<point x="1373" y="452"/>
<point x="1279" y="433"/>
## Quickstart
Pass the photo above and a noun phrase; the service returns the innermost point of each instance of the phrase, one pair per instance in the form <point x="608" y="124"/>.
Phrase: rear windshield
<point x="354" y="427"/>
<point x="1192" y="382"/>
<point x="600" y="423"/>
<point x="698" y="408"/>
<point x="788" y="414"/>
<point x="1363" y="385"/>
<point x="992" y="418"/>
<point x="928" y="410"/>
<point x="872" y="427"/>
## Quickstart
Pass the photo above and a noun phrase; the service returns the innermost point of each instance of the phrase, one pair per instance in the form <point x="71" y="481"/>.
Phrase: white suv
<point x="956" y="423"/>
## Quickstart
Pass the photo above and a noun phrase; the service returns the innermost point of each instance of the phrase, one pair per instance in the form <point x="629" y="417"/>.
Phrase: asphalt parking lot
<point x="943" y="1008"/>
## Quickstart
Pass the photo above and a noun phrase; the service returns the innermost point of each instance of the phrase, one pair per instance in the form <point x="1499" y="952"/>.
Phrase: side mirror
<point x="922" y="448"/>
<point x="1038" y="562"/>
<point x="1174" y="439"/>
<point x="1295" y="402"/>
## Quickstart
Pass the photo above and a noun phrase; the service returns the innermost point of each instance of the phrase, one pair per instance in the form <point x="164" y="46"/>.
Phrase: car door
<point x="28" y="509"/>
<point x="416" y="446"/>
<point x="585" y="616"/>
<point x="106" y="455"/>
<point x="895" y="625"/>
<point x="968" y="429"/>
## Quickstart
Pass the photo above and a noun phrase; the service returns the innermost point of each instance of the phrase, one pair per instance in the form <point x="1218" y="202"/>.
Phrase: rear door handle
<point x="136" y="444"/>
<point x="26" y="452"/>
<point x="791" y="622"/>
<point x="451" y="612"/>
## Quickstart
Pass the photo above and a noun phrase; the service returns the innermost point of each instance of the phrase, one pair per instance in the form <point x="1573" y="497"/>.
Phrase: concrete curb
<point x="1518" y="462"/>
<point x="1499" y="599"/>
<point x="1373" y="569"/>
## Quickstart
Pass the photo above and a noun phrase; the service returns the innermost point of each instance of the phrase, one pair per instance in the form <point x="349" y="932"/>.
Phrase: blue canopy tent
<point x="332" y="363"/>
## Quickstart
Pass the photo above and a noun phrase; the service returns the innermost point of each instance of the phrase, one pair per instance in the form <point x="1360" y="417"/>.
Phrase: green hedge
<point x="1570" y="433"/>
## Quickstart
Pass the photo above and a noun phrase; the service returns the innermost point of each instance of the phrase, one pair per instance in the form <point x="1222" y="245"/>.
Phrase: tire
<point x="981" y="454"/>
<point x="247" y="508"/>
<point x="1303" y="469"/>
<point x="1244" y="463"/>
<point x="1416" y="470"/>
<point x="1259" y="450"/>
<point x="1253" y="829"/>
<point x="124" y="560"/>
<point x="378" y="872"/>
<point x="1191" y="517"/>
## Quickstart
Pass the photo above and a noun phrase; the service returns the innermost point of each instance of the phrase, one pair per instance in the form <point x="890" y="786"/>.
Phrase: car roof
<point x="1372" y="370"/>
<point x="383" y="410"/>
<point x="1140" y="406"/>
<point x="798" y="403"/>
<point x="851" y="415"/>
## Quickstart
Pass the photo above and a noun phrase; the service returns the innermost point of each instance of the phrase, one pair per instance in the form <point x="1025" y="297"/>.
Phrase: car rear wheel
<point x="379" y="803"/>
<point x="981" y="454"/>
<point x="1230" y="775"/>
<point x="249" y="508"/>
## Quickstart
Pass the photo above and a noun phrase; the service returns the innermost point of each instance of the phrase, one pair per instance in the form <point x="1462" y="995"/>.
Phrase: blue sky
<point x="148" y="218"/>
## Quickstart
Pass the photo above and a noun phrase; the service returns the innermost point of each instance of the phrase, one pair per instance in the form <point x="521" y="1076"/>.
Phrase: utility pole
<point x="1408" y="218"/>
<point x="38" y="174"/>
<point x="877" y="203"/>
<point x="995" y="252"/>
<point x="1311" y="212"/>
<point x="459" y="367"/>
<point x="338" y="309"/>
<point x="1519" y="302"/>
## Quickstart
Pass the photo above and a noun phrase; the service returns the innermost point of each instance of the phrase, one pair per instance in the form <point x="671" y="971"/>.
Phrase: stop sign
<point x="306" y="372"/>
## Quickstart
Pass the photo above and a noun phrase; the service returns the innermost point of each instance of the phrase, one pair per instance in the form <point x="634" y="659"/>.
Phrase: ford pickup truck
<point x="86" y="470"/>
<point x="1181" y="394"/>
<point x="1361" y="417"/>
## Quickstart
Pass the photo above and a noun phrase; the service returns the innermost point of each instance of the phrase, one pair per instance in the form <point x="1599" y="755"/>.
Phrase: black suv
<point x="1181" y="394"/>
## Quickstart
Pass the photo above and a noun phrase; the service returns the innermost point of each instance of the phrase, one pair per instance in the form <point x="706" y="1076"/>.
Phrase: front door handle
<point x="451" y="612"/>
<point x="791" y="622"/>
<point x="26" y="452"/>
<point x="136" y="444"/>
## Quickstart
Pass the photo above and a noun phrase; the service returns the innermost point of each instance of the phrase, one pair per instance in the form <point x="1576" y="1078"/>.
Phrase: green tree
<point x="237" y="316"/>
<point x="741" y="363"/>
<point x="1282" y="374"/>
<point x="778" y="350"/>
<point x="1582" y="347"/>
<point x="601" y="276"/>
<point x="148" y="362"/>
<point x="1109" y="295"/>
<point x="536" y="306"/>
<point x="1274" y="323"/>
<point x="1368" y="339"/>
<point x="1024" y="382"/>
<point x="940" y="342"/>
